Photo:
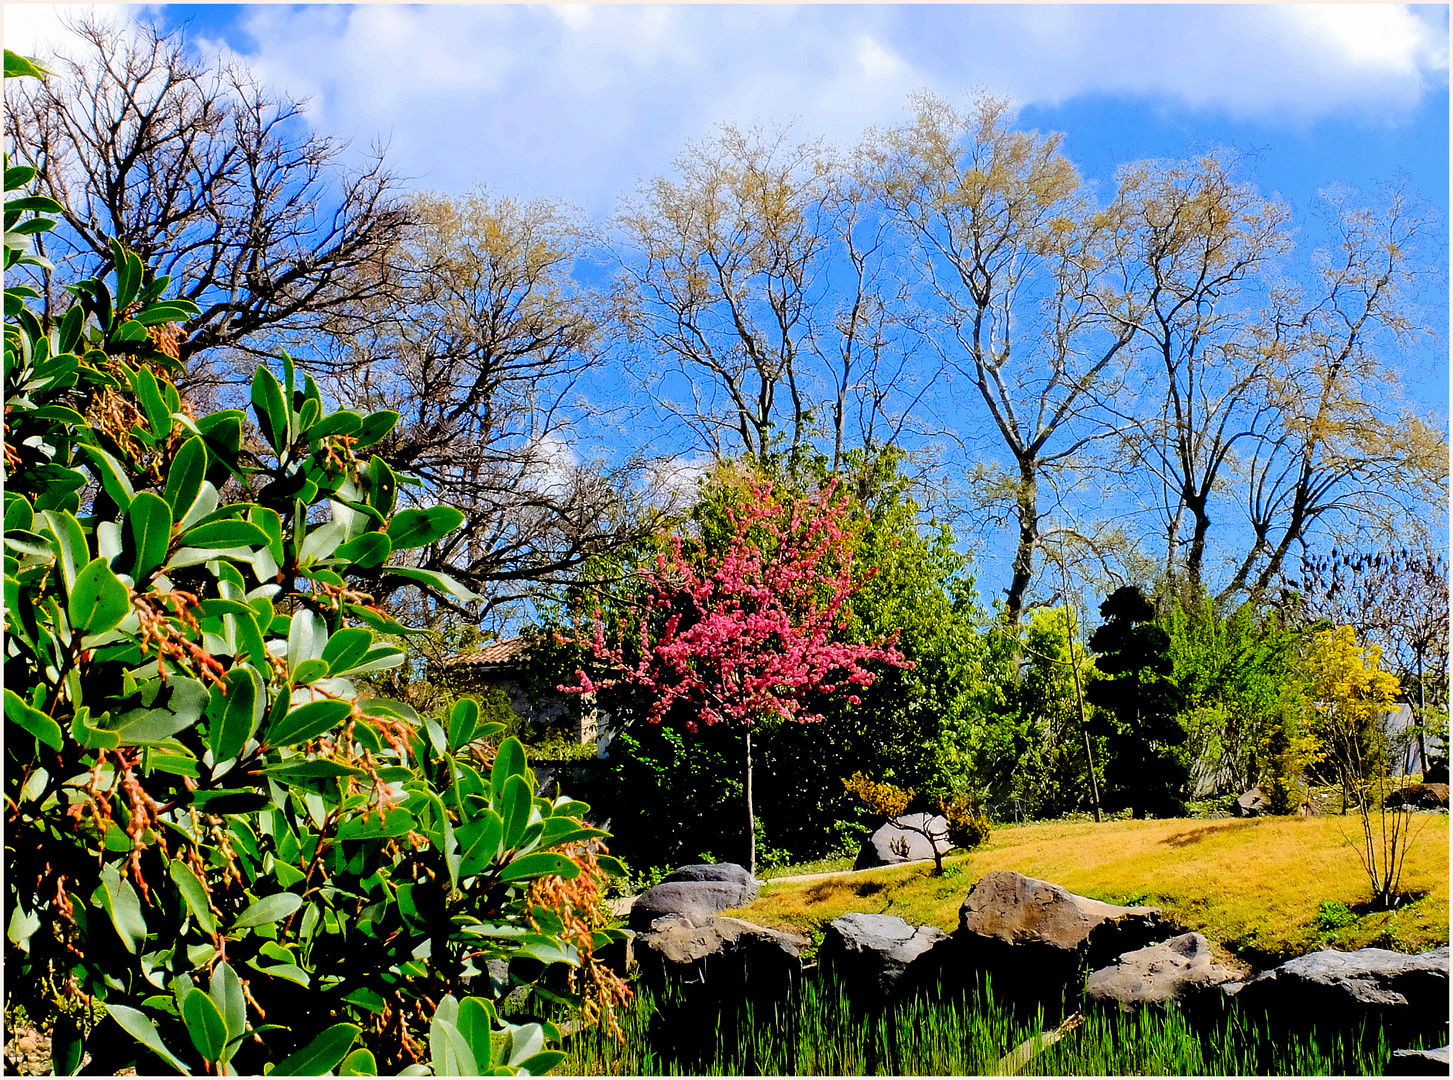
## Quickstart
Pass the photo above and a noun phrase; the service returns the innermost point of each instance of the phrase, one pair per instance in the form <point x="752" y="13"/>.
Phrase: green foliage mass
<point x="671" y="795"/>
<point x="214" y="841"/>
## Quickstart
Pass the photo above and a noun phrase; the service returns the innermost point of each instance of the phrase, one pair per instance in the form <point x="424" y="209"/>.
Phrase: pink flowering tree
<point x="748" y="633"/>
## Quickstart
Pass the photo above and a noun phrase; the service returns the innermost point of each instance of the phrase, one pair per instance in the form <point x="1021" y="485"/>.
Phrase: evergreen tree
<point x="1139" y="703"/>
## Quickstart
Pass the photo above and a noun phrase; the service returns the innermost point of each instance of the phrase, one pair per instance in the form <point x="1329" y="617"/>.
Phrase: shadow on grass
<point x="1195" y="836"/>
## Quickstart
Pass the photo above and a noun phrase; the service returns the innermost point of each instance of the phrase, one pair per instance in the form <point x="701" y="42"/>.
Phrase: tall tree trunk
<point x="751" y="815"/>
<point x="1196" y="552"/>
<point x="1027" y="510"/>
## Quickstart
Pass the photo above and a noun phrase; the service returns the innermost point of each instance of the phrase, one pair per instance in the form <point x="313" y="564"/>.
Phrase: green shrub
<point x="212" y="838"/>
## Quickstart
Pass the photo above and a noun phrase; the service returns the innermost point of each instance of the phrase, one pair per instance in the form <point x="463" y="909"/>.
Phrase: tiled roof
<point x="500" y="652"/>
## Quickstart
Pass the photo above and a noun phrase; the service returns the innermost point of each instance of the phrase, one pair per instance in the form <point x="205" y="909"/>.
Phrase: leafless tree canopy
<point x="213" y="179"/>
<point x="481" y="351"/>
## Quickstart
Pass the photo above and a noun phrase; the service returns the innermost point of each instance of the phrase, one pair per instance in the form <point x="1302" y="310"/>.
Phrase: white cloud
<point x="40" y="30"/>
<point x="580" y="101"/>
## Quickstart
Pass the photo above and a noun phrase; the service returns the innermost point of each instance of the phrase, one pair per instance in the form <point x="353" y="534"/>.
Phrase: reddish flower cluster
<point x="749" y="632"/>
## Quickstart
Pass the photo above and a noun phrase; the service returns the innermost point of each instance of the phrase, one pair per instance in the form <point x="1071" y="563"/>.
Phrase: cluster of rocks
<point x="1425" y="796"/>
<point x="1040" y="946"/>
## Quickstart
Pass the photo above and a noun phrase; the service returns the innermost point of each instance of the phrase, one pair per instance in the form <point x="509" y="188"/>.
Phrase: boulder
<point x="694" y="893"/>
<point x="1177" y="971"/>
<point x="1420" y="797"/>
<point x="893" y="843"/>
<point x="724" y="956"/>
<point x="871" y="953"/>
<point x="731" y="872"/>
<point x="1408" y="994"/>
<point x="1036" y="940"/>
<point x="1251" y="804"/>
<point x="1418" y="1063"/>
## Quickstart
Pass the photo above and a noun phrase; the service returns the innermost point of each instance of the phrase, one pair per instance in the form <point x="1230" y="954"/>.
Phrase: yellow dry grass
<point x="1254" y="886"/>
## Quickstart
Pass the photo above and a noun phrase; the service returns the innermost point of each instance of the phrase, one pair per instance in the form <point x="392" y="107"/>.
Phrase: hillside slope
<point x="1256" y="887"/>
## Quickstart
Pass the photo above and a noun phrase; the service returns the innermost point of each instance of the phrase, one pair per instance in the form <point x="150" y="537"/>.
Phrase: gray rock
<point x="693" y="895"/>
<point x="872" y="952"/>
<point x="1420" y="796"/>
<point x="732" y="873"/>
<point x="1418" y="1063"/>
<point x="1406" y="993"/>
<point x="725" y="956"/>
<point x="1011" y="909"/>
<point x="1251" y="804"/>
<point x="893" y="844"/>
<point x="1036" y="940"/>
<point x="1173" y="971"/>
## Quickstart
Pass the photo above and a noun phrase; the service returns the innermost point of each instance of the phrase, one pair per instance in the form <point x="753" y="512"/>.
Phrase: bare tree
<point x="1010" y="252"/>
<point x="756" y="283"/>
<point x="1199" y="243"/>
<point x="482" y="352"/>
<point x="1395" y="599"/>
<point x="214" y="180"/>
<point x="1336" y="446"/>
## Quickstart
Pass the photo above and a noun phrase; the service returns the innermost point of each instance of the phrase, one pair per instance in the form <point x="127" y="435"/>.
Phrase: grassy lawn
<point x="1255" y="886"/>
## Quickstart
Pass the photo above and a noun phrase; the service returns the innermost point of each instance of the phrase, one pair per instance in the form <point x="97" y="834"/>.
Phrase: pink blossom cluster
<point x="749" y="632"/>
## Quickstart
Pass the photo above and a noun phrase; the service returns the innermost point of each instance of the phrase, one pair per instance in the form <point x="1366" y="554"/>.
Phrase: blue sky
<point x="579" y="102"/>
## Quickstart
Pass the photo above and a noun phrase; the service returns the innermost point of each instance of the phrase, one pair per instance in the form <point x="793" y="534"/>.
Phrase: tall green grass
<point x="822" y="1034"/>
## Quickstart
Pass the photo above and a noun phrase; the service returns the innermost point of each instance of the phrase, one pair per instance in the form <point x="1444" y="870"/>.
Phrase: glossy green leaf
<point x="382" y="486"/>
<point x="540" y="864"/>
<point x="442" y="582"/>
<point x="346" y="648"/>
<point x="448" y="1052"/>
<point x="541" y="1063"/>
<point x="365" y="551"/>
<point x="238" y="714"/>
<point x="270" y="409"/>
<point x="226" y="993"/>
<point x="204" y="1024"/>
<point x="463" y="720"/>
<point x="269" y="909"/>
<point x="322" y="1054"/>
<point x="32" y="720"/>
<point x="396" y="822"/>
<point x="515" y="806"/>
<point x="17" y="66"/>
<point x="224" y="534"/>
<point x="169" y="706"/>
<point x="150" y="521"/>
<point x="310" y="671"/>
<point x="509" y="760"/>
<point x="123" y="906"/>
<point x="375" y="426"/>
<point x="114" y="479"/>
<point x="184" y="479"/>
<point x="140" y="1027"/>
<point x="308" y="722"/>
<point x="194" y="893"/>
<point x="415" y="528"/>
<point x="98" y="600"/>
<point x="338" y="423"/>
<point x="359" y="1062"/>
<point x="148" y="393"/>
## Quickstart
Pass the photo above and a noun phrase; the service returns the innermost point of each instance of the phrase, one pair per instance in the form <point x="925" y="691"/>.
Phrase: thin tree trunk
<point x="1418" y="720"/>
<point x="751" y="815"/>
<point x="1027" y="511"/>
<point x="1079" y="695"/>
<point x="1084" y="728"/>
